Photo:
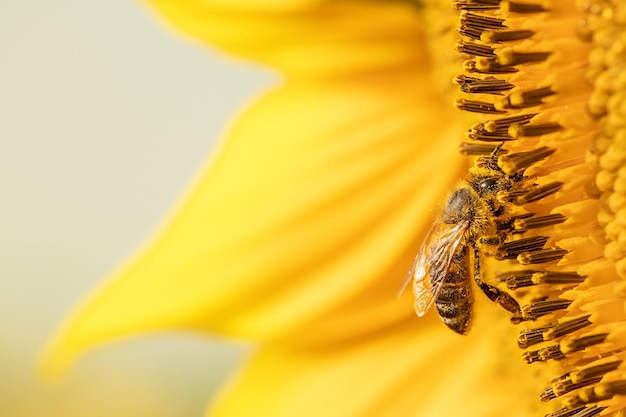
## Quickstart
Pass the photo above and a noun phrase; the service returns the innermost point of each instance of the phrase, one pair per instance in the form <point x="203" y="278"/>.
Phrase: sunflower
<point x="300" y="230"/>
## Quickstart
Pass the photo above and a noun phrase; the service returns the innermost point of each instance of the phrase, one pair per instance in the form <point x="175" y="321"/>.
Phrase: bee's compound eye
<point x="488" y="183"/>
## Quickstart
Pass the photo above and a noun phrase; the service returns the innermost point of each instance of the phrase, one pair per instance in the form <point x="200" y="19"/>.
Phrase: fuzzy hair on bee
<point x="475" y="222"/>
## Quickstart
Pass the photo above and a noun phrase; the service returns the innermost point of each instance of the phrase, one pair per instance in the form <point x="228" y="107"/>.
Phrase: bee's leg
<point x="497" y="211"/>
<point x="489" y="244"/>
<point x="490" y="240"/>
<point x="504" y="224"/>
<point x="504" y="299"/>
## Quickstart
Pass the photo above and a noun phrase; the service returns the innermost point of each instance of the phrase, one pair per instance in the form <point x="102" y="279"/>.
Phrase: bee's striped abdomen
<point x="455" y="301"/>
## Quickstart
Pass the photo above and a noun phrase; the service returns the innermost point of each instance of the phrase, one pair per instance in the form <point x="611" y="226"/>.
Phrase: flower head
<point x="566" y="269"/>
<point x="298" y="233"/>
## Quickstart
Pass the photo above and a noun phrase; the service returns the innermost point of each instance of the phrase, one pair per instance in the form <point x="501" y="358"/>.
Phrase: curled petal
<point x="297" y="228"/>
<point x="391" y="373"/>
<point x="307" y="38"/>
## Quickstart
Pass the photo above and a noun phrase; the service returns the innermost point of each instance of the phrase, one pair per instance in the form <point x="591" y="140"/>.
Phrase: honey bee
<point x="475" y="221"/>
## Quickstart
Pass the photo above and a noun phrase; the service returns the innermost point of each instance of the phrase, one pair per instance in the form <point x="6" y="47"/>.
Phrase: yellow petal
<point x="296" y="219"/>
<point x="245" y="6"/>
<point x="409" y="369"/>
<point x="330" y="39"/>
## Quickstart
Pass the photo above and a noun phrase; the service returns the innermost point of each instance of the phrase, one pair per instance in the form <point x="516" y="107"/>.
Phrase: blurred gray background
<point x="106" y="115"/>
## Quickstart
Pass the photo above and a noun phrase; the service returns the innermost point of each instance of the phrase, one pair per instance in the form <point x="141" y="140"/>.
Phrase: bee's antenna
<point x="494" y="154"/>
<point x="491" y="162"/>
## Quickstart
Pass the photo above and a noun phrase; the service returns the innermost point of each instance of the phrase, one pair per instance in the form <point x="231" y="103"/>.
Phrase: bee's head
<point x="489" y="185"/>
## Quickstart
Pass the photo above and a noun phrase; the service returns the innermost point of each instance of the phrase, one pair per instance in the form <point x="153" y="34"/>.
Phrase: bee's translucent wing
<point x="432" y="263"/>
<point x="411" y="273"/>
